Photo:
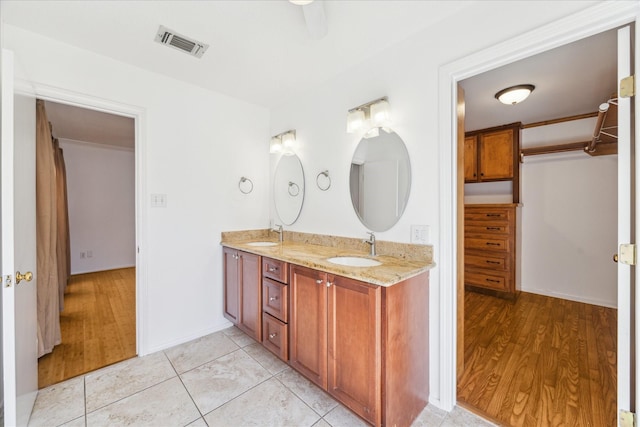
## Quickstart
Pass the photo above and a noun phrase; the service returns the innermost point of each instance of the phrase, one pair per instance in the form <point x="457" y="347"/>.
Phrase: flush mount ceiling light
<point x="373" y="114"/>
<point x="301" y="2"/>
<point x="514" y="94"/>
<point x="283" y="143"/>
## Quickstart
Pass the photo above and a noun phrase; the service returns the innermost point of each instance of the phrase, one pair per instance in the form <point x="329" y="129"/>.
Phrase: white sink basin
<point x="354" y="261"/>
<point x="262" y="244"/>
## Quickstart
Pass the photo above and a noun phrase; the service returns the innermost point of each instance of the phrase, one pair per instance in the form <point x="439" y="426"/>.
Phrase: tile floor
<point x="223" y="379"/>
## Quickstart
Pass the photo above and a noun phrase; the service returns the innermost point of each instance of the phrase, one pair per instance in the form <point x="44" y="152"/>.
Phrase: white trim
<point x="199" y="334"/>
<point x="569" y="297"/>
<point x="63" y="96"/>
<point x="116" y="267"/>
<point x="98" y="145"/>
<point x="601" y="17"/>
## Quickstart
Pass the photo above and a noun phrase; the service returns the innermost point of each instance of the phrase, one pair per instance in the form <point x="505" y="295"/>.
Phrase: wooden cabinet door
<point x="471" y="158"/>
<point x="231" y="285"/>
<point x="250" y="295"/>
<point x="308" y="323"/>
<point x="496" y="155"/>
<point x="354" y="352"/>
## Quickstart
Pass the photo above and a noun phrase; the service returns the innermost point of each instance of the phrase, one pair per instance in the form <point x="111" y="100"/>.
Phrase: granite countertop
<point x="299" y="251"/>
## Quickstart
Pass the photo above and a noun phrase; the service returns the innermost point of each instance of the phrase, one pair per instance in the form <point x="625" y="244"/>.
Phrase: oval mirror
<point x="288" y="188"/>
<point x="380" y="179"/>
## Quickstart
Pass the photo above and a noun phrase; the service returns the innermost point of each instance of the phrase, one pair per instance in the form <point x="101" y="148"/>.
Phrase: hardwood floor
<point x="98" y="325"/>
<point x="539" y="361"/>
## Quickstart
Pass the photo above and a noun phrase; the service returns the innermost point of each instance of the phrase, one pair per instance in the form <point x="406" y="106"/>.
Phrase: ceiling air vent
<point x="177" y="41"/>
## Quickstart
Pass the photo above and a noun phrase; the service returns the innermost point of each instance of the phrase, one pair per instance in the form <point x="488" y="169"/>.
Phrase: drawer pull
<point x="328" y="284"/>
<point x="319" y="281"/>
<point x="493" y="262"/>
<point x="493" y="280"/>
<point x="494" y="228"/>
<point x="273" y="298"/>
<point x="273" y="335"/>
<point x="272" y="269"/>
<point x="494" y="215"/>
<point x="493" y="244"/>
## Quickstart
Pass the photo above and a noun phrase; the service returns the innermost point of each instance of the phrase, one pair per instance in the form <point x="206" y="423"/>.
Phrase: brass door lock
<point x="28" y="276"/>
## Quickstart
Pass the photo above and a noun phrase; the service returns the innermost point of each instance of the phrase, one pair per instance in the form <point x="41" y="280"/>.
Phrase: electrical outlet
<point x="420" y="234"/>
<point x="83" y="255"/>
<point x="89" y="254"/>
<point x="158" y="200"/>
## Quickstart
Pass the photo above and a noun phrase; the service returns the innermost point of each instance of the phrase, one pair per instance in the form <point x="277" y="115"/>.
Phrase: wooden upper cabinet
<point x="471" y="158"/>
<point x="496" y="155"/>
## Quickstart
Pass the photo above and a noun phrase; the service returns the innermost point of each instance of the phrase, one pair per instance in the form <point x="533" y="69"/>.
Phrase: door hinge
<point x="627" y="419"/>
<point x="8" y="281"/>
<point x="627" y="254"/>
<point x="628" y="87"/>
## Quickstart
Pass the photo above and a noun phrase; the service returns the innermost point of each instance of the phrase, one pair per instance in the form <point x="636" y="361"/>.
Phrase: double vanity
<point x="355" y="325"/>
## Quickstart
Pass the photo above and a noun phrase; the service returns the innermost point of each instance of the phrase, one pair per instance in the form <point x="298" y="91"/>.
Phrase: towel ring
<point x="324" y="186"/>
<point x="293" y="189"/>
<point x="245" y="188"/>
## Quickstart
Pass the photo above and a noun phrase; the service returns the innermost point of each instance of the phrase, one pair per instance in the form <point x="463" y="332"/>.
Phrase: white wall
<point x="408" y="74"/>
<point x="197" y="144"/>
<point x="101" y="193"/>
<point x="569" y="218"/>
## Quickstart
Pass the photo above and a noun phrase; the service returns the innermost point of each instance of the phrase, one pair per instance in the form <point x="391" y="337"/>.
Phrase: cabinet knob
<point x="328" y="284"/>
<point x="273" y="335"/>
<point x="319" y="281"/>
<point x="273" y="269"/>
<point x="273" y="298"/>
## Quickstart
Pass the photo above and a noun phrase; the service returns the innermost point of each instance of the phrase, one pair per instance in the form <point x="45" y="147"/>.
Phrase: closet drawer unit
<point x="496" y="243"/>
<point x="275" y="336"/>
<point x="472" y="213"/>
<point x="275" y="297"/>
<point x="275" y="269"/>
<point x="492" y="228"/>
<point x="500" y="281"/>
<point x="496" y="261"/>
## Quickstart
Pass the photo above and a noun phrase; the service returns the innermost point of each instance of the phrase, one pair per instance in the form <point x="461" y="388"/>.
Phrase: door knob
<point x="615" y="257"/>
<point x="28" y="276"/>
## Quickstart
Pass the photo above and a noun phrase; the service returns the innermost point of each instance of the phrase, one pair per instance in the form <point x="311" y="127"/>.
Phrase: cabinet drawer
<point x="275" y="336"/>
<point x="493" y="280"/>
<point x="275" y="269"/>
<point x="497" y="227"/>
<point x="275" y="299"/>
<point x="488" y="244"/>
<point x="494" y="262"/>
<point x="487" y="214"/>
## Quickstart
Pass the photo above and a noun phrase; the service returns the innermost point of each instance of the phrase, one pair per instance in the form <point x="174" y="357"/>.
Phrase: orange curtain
<point x="52" y="231"/>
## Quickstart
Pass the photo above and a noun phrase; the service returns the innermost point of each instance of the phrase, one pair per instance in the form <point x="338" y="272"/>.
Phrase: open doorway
<point x="549" y="354"/>
<point x="98" y="319"/>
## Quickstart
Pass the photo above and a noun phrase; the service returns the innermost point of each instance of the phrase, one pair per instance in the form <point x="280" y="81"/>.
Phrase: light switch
<point x="158" y="200"/>
<point x="420" y="234"/>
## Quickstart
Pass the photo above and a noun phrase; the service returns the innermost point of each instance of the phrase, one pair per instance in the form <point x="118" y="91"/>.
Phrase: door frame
<point x="61" y="96"/>
<point x="591" y="21"/>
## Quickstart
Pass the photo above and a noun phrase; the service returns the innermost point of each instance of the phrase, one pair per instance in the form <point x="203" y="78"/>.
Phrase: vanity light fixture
<point x="283" y="143"/>
<point x="371" y="115"/>
<point x="514" y="94"/>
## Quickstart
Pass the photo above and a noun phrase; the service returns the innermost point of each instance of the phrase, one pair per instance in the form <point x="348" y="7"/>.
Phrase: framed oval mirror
<point x="380" y="179"/>
<point x="288" y="188"/>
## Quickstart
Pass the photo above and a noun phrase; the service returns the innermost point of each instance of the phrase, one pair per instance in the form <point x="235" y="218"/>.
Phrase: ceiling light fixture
<point x="301" y="2"/>
<point x="514" y="94"/>
<point x="369" y="116"/>
<point x="283" y="143"/>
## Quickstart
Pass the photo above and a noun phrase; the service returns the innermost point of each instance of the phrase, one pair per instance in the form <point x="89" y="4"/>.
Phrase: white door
<point x="627" y="212"/>
<point x="18" y="207"/>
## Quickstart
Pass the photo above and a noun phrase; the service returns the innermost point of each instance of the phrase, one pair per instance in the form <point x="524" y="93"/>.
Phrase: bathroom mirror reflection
<point x="288" y="188"/>
<point x="380" y="179"/>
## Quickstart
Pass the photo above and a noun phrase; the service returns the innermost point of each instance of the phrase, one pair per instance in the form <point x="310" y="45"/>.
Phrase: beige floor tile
<point x="198" y="352"/>
<point x="460" y="417"/>
<point x="342" y="417"/>
<point x="239" y="337"/>
<point x="124" y="379"/>
<point x="200" y="422"/>
<point x="269" y="404"/>
<point x="165" y="404"/>
<point x="430" y="416"/>
<point x="322" y="423"/>
<point x="264" y="357"/>
<point x="217" y="382"/>
<point x="59" y="403"/>
<point x="311" y="394"/>
<point x="78" y="422"/>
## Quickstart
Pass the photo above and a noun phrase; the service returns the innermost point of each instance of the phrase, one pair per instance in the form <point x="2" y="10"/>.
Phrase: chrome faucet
<point x="372" y="242"/>
<point x="279" y="231"/>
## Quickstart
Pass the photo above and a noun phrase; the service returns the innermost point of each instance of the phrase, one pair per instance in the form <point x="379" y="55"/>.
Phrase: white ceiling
<point x="260" y="51"/>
